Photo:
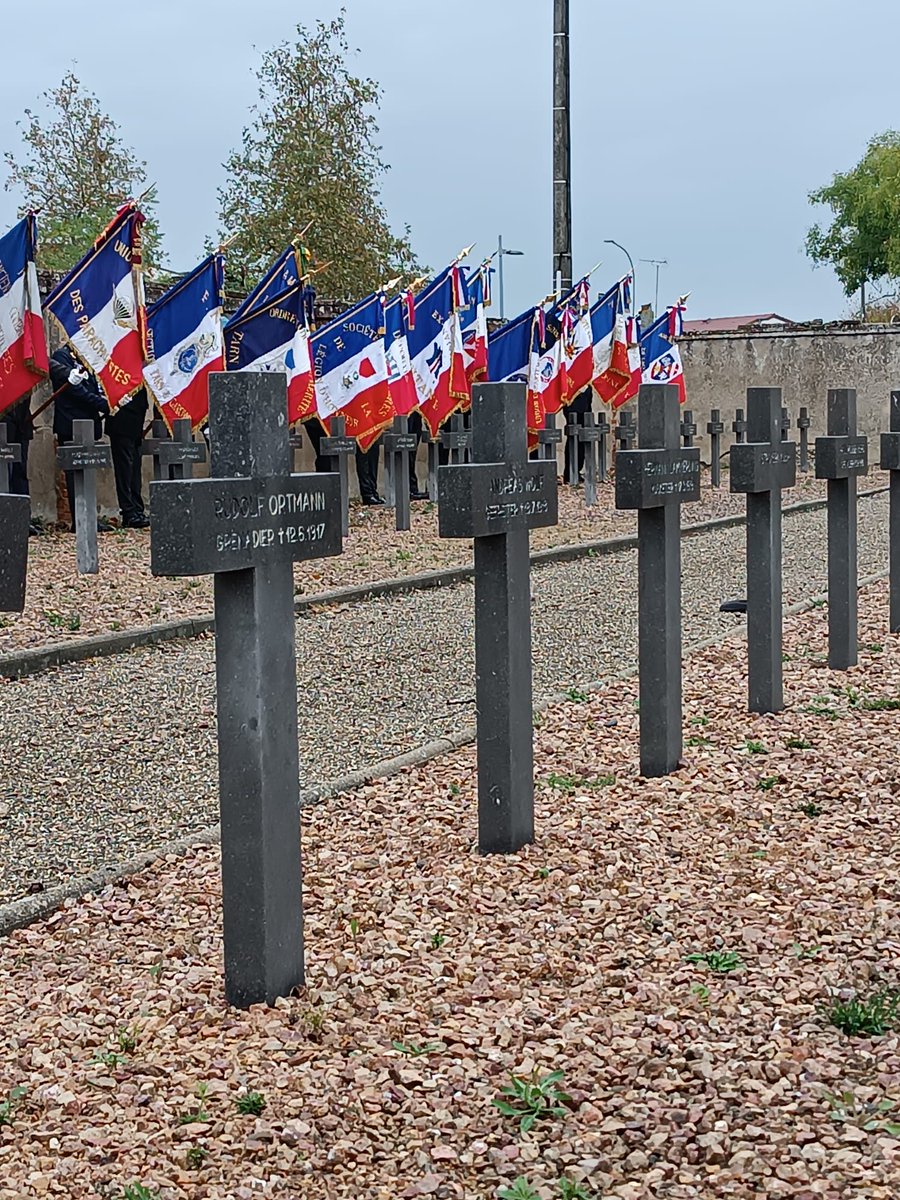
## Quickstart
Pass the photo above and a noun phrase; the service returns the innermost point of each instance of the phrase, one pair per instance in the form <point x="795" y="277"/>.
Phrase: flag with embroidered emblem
<point x="99" y="307"/>
<point x="401" y="381"/>
<point x="613" y="378"/>
<point x="509" y="349"/>
<point x="660" y="356"/>
<point x="273" y="336"/>
<point x="547" y="387"/>
<point x="574" y="315"/>
<point x="435" y="349"/>
<point x="473" y="327"/>
<point x="351" y="370"/>
<point x="283" y="274"/>
<point x="23" y="344"/>
<point x="184" y="343"/>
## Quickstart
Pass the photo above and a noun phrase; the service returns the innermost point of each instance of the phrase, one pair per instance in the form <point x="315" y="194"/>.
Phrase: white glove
<point x="77" y="376"/>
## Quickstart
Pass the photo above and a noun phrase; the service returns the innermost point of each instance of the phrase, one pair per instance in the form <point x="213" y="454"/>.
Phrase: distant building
<point x="734" y="324"/>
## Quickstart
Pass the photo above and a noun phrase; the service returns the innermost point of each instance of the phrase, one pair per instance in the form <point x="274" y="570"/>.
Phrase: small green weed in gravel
<point x="417" y="1050"/>
<point x="57" y="620"/>
<point x="870" y="1116"/>
<point x="802" y="951"/>
<point x="520" y="1190"/>
<point x="455" y="789"/>
<point x="873" y="647"/>
<point x="569" y="1190"/>
<point x="699" y="720"/>
<point x="574" y="694"/>
<point x="196" y="1157"/>
<point x="718" y="961"/>
<point x="696" y="740"/>
<point x="137" y="1191"/>
<point x="353" y="924"/>
<point x="437" y="940"/>
<point x="251" y="1104"/>
<point x="701" y="991"/>
<point x="543" y="872"/>
<point x="865" y="1015"/>
<point x="797" y="743"/>
<point x="10" y="1104"/>
<point x="404" y="555"/>
<point x="821" y="706"/>
<point x="754" y="747"/>
<point x="73" y="623"/>
<point x="198" y="1114"/>
<point x="767" y="783"/>
<point x="817" y="603"/>
<point x="110" y="1059"/>
<point x="759" y="854"/>
<point x="127" y="1038"/>
<point x="533" y="1099"/>
<point x="156" y="971"/>
<point x="880" y="703"/>
<point x="810" y="809"/>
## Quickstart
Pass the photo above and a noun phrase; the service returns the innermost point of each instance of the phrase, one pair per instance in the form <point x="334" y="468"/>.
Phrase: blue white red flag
<point x="547" y="386"/>
<point x="283" y="274"/>
<point x="613" y="372"/>
<point x="660" y="356"/>
<point x="273" y="336"/>
<point x="184" y="343"/>
<point x="574" y="315"/>
<point x="435" y="349"/>
<point x="509" y="350"/>
<point x="401" y="382"/>
<point x="23" y="344"/>
<point x="473" y="327"/>
<point x="351" y="370"/>
<point x="99" y="306"/>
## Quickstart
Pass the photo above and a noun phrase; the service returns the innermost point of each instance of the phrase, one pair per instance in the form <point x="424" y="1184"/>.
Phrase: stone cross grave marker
<point x="10" y="452"/>
<point x="715" y="427"/>
<point x="785" y="424"/>
<point x="246" y="525"/>
<point x="338" y="448"/>
<point x="688" y="429"/>
<point x="173" y="457"/>
<point x="803" y="425"/>
<point x="399" y="444"/>
<point x="890" y="462"/>
<point x="841" y="457"/>
<point x="548" y="439"/>
<point x="15" y="515"/>
<point x="497" y="499"/>
<point x="656" y="479"/>
<point x="150" y="445"/>
<point x="456" y="440"/>
<point x="589" y="435"/>
<point x="604" y="429"/>
<point x="84" y="457"/>
<point x="761" y="467"/>
<point x="625" y="430"/>
<point x="739" y="427"/>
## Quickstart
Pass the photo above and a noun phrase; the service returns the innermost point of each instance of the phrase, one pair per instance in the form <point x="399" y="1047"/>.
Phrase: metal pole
<point x="500" y="271"/>
<point x="562" y="159"/>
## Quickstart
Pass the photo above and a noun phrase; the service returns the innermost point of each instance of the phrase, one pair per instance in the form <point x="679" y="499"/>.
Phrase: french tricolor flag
<point x="351" y="370"/>
<point x="273" y="336"/>
<point x="613" y="380"/>
<point x="547" y="387"/>
<point x="23" y="346"/>
<point x="436" y="350"/>
<point x="396" y="348"/>
<point x="184" y="343"/>
<point x="473" y="328"/>
<point x="99" y="306"/>
<point x="574" y="314"/>
<point x="660" y="356"/>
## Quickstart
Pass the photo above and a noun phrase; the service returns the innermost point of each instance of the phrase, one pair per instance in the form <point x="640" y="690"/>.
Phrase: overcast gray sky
<point x="698" y="127"/>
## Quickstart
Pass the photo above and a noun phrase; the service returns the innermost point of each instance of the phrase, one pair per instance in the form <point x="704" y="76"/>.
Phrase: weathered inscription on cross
<point x="761" y="467"/>
<point x="84" y="457"/>
<point x="247" y="525"/>
<point x="657" y="479"/>
<point x="497" y="499"/>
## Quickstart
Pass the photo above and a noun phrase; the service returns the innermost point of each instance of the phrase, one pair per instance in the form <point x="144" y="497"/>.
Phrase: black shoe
<point x="136" y="523"/>
<point x="104" y="526"/>
<point x="733" y="606"/>
<point x="376" y="500"/>
<point x="417" y="495"/>
<point x="34" y="530"/>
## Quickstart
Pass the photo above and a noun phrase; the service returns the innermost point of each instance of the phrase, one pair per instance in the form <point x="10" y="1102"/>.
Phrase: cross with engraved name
<point x="83" y="456"/>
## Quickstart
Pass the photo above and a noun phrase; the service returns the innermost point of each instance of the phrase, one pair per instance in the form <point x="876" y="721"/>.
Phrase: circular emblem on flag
<point x="188" y="358"/>
<point x="663" y="368"/>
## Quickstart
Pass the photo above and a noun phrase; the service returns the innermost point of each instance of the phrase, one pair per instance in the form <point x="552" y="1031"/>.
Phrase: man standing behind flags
<point x="184" y="343"/>
<point x="99" y="307"/>
<point x="23" y="345"/>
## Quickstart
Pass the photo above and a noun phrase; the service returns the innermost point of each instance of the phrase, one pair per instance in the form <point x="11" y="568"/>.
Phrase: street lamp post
<point x="610" y="242"/>
<point x="656" y="262"/>
<point x="501" y="250"/>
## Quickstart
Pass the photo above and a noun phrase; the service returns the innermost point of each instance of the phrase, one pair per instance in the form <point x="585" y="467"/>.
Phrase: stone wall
<point x="804" y="363"/>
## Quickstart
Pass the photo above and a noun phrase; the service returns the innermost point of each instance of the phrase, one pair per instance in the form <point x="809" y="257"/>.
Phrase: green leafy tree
<point x="862" y="243"/>
<point x="75" y="171"/>
<point x="309" y="156"/>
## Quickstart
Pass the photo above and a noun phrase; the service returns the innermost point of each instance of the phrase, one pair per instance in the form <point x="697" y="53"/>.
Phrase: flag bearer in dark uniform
<point x="125" y="428"/>
<point x="79" y="399"/>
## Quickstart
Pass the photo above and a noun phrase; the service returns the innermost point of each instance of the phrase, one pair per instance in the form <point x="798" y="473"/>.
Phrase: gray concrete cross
<point x="10" y="452"/>
<point x="761" y="467"/>
<point x="715" y="427"/>
<point x="338" y="448"/>
<point x="656" y="479"/>
<point x="246" y="525"/>
<point x="173" y="457"/>
<point x="803" y="424"/>
<point x="688" y="429"/>
<point x="739" y="427"/>
<point x="84" y="456"/>
<point x="589" y="436"/>
<point x="604" y="429"/>
<point x="785" y="424"/>
<point x="399" y="444"/>
<point x="625" y="430"/>
<point x="15" y="515"/>
<point x="548" y="439"/>
<point x="496" y="500"/>
<point x="890" y="462"/>
<point x="456" y="440"/>
<point x="841" y="458"/>
<point x="150" y="446"/>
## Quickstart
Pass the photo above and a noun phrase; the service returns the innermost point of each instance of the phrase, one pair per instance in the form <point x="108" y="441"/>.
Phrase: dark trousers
<point x="573" y="418"/>
<point x="414" y="425"/>
<point x="315" y="433"/>
<point x="18" y="475"/>
<point x="367" y="471"/>
<point x="126" y="457"/>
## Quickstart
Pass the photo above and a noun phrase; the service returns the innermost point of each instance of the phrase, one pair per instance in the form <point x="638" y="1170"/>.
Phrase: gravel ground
<point x="117" y="755"/>
<point x="62" y="605"/>
<point x="672" y="947"/>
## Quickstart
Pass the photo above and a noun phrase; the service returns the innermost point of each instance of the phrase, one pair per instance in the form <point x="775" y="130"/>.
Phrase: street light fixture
<point x="656" y="262"/>
<point x="610" y="242"/>
<point x="501" y="250"/>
